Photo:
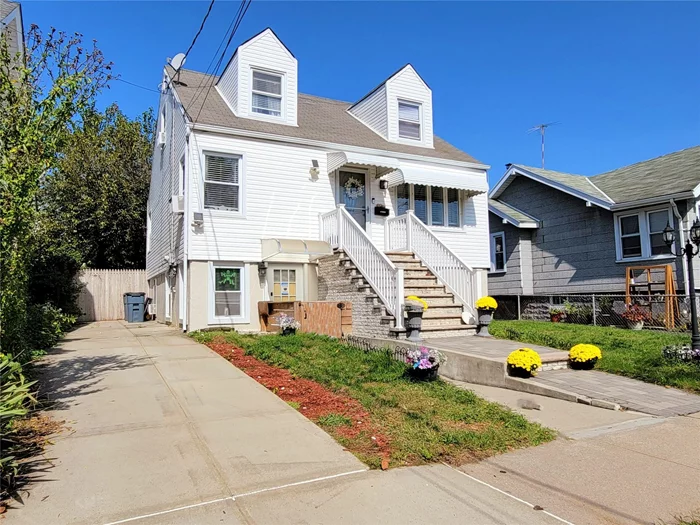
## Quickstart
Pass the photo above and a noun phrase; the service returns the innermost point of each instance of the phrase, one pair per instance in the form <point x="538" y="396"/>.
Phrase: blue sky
<point x="623" y="79"/>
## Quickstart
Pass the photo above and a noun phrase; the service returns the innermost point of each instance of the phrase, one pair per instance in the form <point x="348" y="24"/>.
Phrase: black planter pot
<point x="583" y="365"/>
<point x="424" y="374"/>
<point x="485" y="318"/>
<point x="516" y="371"/>
<point x="289" y="331"/>
<point x="414" y="321"/>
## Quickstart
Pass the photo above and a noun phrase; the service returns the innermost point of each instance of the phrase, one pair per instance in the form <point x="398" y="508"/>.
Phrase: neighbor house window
<point x="267" y="93"/>
<point x="227" y="292"/>
<point x="284" y="284"/>
<point x="409" y="120"/>
<point x="498" y="252"/>
<point x="222" y="182"/>
<point x="640" y="234"/>
<point x="434" y="205"/>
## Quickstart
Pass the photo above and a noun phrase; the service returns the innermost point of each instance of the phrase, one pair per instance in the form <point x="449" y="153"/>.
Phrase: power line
<point x="201" y="27"/>
<point x="136" y="85"/>
<point x="241" y="13"/>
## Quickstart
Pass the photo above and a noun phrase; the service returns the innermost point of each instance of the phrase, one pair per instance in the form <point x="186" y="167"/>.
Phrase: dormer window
<point x="409" y="120"/>
<point x="267" y="94"/>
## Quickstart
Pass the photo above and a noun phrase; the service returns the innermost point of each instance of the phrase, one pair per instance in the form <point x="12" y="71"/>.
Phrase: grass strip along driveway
<point x="365" y="402"/>
<point x="632" y="353"/>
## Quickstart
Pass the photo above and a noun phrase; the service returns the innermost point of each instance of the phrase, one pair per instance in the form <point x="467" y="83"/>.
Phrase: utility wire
<point x="136" y="85"/>
<point x="242" y="11"/>
<point x="201" y="27"/>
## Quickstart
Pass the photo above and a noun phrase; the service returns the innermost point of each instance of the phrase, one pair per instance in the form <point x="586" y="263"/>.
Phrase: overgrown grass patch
<point x="632" y="353"/>
<point x="423" y="422"/>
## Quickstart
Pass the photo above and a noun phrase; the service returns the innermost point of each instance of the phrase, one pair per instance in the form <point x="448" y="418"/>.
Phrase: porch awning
<point x="437" y="177"/>
<point x="273" y="247"/>
<point x="336" y="159"/>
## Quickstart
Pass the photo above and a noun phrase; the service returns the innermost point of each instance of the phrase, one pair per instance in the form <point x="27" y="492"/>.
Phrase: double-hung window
<point x="267" y="93"/>
<point x="227" y="291"/>
<point x="640" y="234"/>
<point x="222" y="182"/>
<point x="434" y="205"/>
<point x="498" y="252"/>
<point x="409" y="120"/>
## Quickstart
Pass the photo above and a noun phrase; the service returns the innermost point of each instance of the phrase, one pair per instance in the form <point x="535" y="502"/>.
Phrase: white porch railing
<point x="408" y="233"/>
<point x="342" y="232"/>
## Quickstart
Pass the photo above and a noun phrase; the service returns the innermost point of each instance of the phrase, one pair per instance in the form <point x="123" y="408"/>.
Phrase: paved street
<point x="164" y="431"/>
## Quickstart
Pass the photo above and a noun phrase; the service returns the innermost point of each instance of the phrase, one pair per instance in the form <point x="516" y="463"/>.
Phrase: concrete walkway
<point x="164" y="431"/>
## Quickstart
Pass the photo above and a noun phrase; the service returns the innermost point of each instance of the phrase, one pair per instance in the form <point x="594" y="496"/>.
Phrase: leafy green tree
<point x="42" y="95"/>
<point x="95" y="200"/>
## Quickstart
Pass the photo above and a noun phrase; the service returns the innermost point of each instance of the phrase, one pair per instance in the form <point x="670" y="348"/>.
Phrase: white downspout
<point x="186" y="230"/>
<point x="682" y="241"/>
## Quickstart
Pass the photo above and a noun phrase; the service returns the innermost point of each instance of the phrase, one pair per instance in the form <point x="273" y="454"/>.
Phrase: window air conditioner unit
<point x="161" y="138"/>
<point x="178" y="203"/>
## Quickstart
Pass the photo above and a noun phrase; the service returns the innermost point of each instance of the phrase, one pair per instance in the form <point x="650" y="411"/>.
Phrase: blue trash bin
<point x="134" y="306"/>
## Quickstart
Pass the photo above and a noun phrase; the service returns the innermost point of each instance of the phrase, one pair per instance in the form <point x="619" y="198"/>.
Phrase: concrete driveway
<point x="165" y="431"/>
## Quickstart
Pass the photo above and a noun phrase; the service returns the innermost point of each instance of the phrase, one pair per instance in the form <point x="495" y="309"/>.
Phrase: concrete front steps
<point x="443" y="318"/>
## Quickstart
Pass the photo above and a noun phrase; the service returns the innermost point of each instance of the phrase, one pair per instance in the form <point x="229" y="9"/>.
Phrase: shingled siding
<point x="508" y="283"/>
<point x="574" y="249"/>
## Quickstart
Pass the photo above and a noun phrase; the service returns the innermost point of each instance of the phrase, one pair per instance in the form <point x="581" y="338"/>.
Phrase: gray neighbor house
<point x="558" y="233"/>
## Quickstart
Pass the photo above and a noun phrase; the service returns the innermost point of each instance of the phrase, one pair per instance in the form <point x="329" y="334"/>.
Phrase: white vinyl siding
<point x="638" y="234"/>
<point x="433" y="205"/>
<point x="498" y="252"/>
<point x="407" y="87"/>
<point x="222" y="182"/>
<point x="227" y="86"/>
<point x="372" y="111"/>
<point x="409" y="120"/>
<point x="267" y="93"/>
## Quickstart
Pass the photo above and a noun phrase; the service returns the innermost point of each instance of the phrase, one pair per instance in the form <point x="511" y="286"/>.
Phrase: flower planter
<point x="485" y="318"/>
<point x="632" y="325"/>
<point x="424" y="374"/>
<point x="556" y="318"/>
<point x="516" y="371"/>
<point x="414" y="321"/>
<point x="289" y="331"/>
<point x="583" y="365"/>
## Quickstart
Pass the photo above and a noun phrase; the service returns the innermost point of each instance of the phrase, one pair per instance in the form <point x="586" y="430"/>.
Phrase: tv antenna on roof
<point x="541" y="128"/>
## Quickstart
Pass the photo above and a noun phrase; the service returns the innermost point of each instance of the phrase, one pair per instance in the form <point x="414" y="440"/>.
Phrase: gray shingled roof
<point x="6" y="7"/>
<point x="580" y="183"/>
<point x="511" y="212"/>
<point x="318" y="118"/>
<point x="676" y="172"/>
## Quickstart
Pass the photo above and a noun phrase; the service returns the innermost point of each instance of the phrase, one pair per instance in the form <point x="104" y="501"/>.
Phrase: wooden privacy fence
<point x="333" y="318"/>
<point x="101" y="298"/>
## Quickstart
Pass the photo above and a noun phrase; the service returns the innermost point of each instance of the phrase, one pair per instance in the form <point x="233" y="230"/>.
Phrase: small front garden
<point x="365" y="400"/>
<point x="632" y="353"/>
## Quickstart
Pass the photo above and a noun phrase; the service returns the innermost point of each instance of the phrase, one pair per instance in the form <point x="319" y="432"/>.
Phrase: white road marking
<point x="509" y="495"/>
<point x="301" y="483"/>
<point x="177" y="509"/>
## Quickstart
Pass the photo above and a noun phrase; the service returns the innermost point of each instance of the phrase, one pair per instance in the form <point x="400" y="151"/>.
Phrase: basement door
<point x="353" y="193"/>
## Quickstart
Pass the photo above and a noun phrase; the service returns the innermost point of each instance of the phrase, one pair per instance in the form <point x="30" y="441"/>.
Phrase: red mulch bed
<point x="362" y="436"/>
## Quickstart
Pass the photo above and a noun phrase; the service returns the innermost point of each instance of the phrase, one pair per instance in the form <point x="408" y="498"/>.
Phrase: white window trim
<point x="244" y="318"/>
<point x="283" y="98"/>
<point x="168" y="312"/>
<point x="493" y="269"/>
<point x="181" y="178"/>
<point x="642" y="216"/>
<point x="409" y="140"/>
<point x="412" y="206"/>
<point x="241" y="182"/>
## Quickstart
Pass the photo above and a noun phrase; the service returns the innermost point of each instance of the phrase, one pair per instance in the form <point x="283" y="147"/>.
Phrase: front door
<point x="353" y="193"/>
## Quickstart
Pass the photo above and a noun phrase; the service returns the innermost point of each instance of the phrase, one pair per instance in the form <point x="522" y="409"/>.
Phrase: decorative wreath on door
<point x="354" y="188"/>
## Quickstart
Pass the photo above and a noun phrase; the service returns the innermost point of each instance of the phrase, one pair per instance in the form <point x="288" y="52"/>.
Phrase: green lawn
<point x="424" y="421"/>
<point x="626" y="352"/>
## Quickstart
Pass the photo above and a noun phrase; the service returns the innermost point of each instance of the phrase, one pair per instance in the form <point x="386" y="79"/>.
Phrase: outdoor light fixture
<point x="690" y="251"/>
<point x="314" y="170"/>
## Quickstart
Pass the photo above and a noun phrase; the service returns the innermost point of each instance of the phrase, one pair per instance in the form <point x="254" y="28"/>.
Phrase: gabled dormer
<point x="260" y="80"/>
<point x="400" y="109"/>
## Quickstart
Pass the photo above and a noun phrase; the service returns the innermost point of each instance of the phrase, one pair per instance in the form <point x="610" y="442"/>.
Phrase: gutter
<point x="334" y="146"/>
<point x="653" y="200"/>
<point x="682" y="240"/>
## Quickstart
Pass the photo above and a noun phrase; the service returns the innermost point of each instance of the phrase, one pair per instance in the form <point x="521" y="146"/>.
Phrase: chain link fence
<point x="653" y="312"/>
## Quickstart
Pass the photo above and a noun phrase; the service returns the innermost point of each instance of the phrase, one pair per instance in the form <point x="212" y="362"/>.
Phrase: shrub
<point x="487" y="303"/>
<point x="525" y="358"/>
<point x="582" y="353"/>
<point x="46" y="324"/>
<point x="636" y="314"/>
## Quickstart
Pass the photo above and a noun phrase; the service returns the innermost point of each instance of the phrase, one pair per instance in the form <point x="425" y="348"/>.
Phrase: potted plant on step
<point x="415" y="306"/>
<point x="584" y="357"/>
<point x="424" y="363"/>
<point x="635" y="316"/>
<point x="524" y="363"/>
<point x="556" y="315"/>
<point x="288" y="325"/>
<point x="485" y="307"/>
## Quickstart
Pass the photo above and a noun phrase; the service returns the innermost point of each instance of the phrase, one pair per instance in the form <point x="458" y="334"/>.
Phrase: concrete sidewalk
<point x="164" y="431"/>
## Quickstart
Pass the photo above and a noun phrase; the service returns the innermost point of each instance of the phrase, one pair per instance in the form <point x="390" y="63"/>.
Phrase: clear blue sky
<point x="622" y="78"/>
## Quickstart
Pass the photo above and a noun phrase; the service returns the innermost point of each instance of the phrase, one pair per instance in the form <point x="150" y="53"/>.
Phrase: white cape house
<point x="255" y="184"/>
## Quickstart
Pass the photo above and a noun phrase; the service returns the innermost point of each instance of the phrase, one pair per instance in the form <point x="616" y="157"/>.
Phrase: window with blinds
<point x="267" y="94"/>
<point x="222" y="182"/>
<point x="433" y="205"/>
<point x="409" y="120"/>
